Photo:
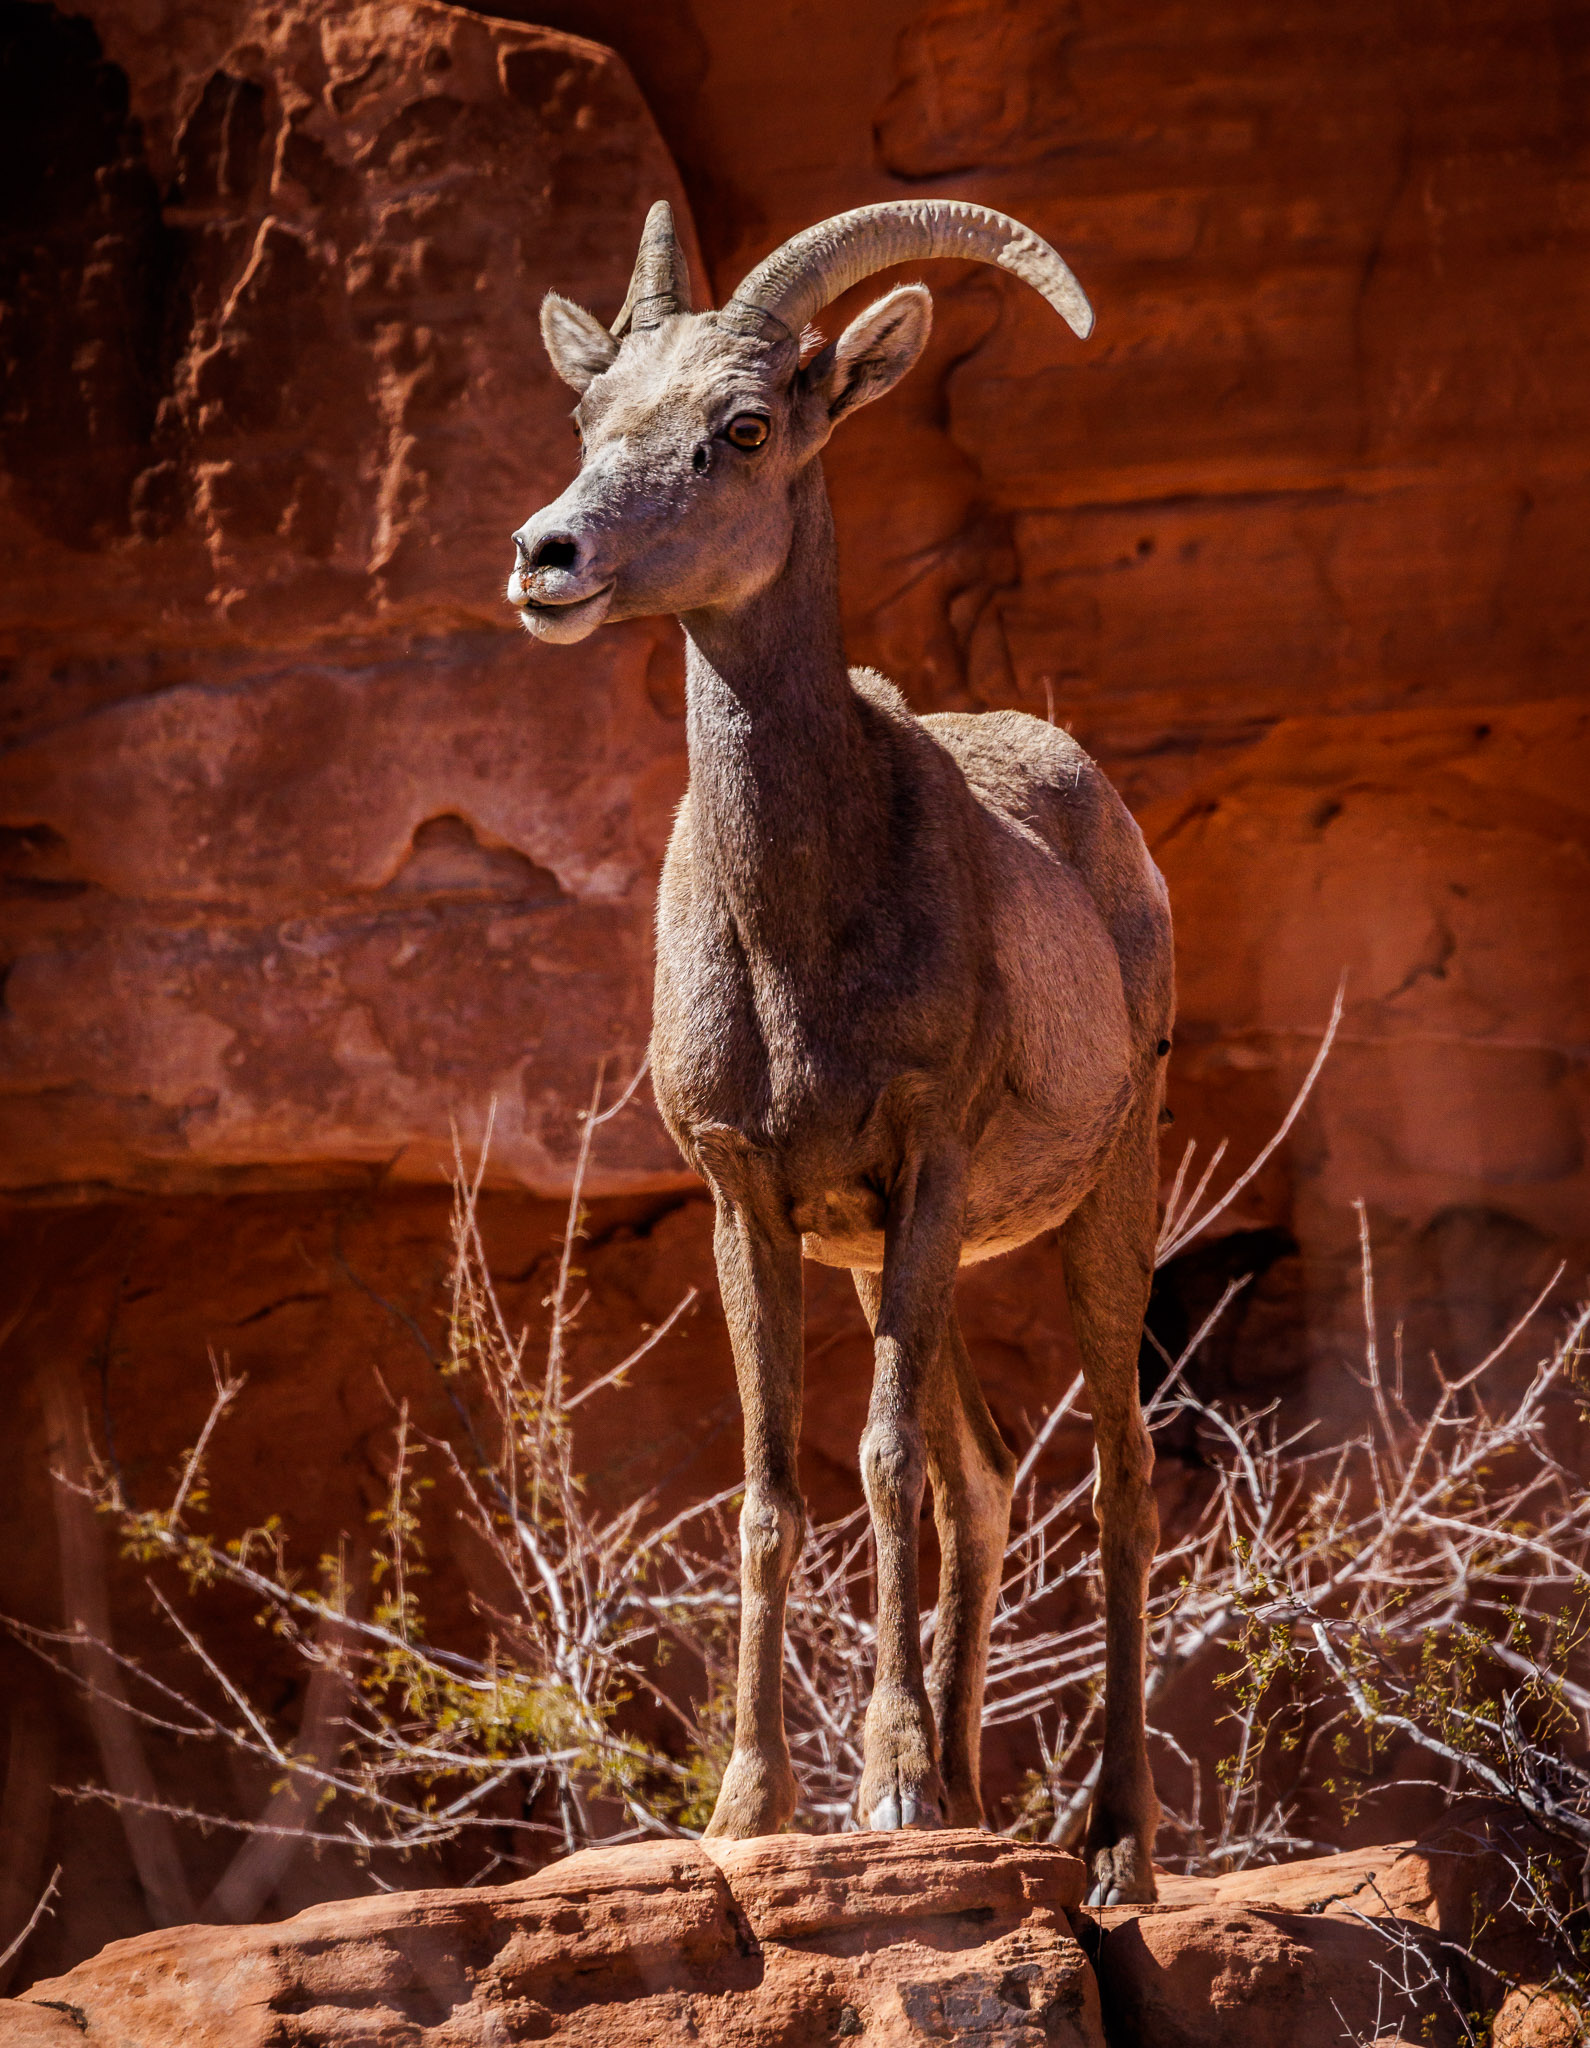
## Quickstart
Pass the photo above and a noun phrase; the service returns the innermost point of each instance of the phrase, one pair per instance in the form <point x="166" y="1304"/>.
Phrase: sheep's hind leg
<point x="909" y="1305"/>
<point x="1109" y="1260"/>
<point x="971" y="1469"/>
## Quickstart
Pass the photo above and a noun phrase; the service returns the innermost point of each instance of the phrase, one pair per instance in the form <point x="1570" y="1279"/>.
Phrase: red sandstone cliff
<point x="306" y="850"/>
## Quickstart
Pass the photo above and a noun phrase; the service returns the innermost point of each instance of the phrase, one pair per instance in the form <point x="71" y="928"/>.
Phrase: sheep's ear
<point x="580" y="346"/>
<point x="874" y="352"/>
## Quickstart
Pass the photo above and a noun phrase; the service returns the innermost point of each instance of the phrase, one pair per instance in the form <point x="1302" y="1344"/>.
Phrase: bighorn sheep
<point x="914" y="987"/>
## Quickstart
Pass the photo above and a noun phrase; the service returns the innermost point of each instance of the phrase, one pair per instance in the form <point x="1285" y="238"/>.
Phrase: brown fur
<point x="913" y="975"/>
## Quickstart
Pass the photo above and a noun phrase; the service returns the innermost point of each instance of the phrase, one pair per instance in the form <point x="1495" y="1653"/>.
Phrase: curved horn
<point x="660" y="284"/>
<point x="813" y="268"/>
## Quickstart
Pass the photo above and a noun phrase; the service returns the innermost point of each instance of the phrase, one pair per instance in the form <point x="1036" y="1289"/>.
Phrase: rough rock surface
<point x="796" y="1940"/>
<point x="780" y="1943"/>
<point x="1283" y="1958"/>
<point x="1308" y="1954"/>
<point x="1533" y="2017"/>
<point x="305" y="847"/>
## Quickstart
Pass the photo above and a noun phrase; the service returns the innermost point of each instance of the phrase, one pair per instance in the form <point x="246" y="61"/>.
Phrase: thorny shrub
<point x="1423" y="1583"/>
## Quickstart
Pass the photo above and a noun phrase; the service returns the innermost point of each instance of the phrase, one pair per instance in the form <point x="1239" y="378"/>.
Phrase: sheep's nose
<point x="553" y="551"/>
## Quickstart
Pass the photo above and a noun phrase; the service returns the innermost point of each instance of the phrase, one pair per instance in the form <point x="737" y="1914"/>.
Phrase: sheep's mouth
<point x="565" y="618"/>
<point x="568" y="604"/>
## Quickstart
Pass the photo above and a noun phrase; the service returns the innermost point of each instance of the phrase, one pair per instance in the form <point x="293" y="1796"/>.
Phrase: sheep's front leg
<point x="759" y="1273"/>
<point x="900" y="1781"/>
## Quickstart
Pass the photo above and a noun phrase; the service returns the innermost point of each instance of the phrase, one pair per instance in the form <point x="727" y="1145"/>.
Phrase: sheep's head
<point x="694" y="426"/>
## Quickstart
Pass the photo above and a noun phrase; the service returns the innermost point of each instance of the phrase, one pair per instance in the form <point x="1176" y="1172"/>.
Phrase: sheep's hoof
<point x="1122" y="1876"/>
<point x="900" y="1783"/>
<point x="903" y="1810"/>
<point x="754" y="1799"/>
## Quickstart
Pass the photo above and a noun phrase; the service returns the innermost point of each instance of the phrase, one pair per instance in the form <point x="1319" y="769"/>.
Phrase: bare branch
<point x="1178" y="1231"/>
<point x="18" y="1941"/>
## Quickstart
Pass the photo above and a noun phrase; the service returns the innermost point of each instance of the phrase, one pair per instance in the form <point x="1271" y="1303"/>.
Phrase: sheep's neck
<point x="785" y="794"/>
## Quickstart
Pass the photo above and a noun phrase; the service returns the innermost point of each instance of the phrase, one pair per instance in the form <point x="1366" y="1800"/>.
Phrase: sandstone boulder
<point x="790" y="1941"/>
<point x="1533" y="2017"/>
<point x="1307" y="1954"/>
<point x="799" y="1941"/>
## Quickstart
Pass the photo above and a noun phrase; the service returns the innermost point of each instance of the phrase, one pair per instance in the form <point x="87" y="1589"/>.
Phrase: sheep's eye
<point x="578" y="432"/>
<point x="747" y="430"/>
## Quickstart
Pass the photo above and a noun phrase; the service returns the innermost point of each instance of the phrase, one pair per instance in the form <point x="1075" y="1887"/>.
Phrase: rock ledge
<point x="799" y="1941"/>
<point x="789" y="1940"/>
